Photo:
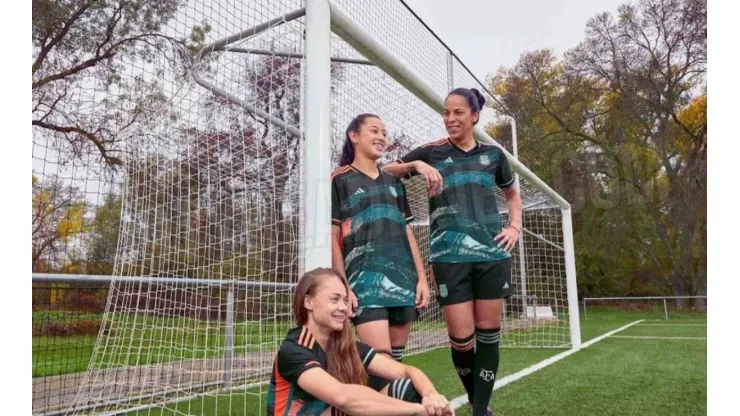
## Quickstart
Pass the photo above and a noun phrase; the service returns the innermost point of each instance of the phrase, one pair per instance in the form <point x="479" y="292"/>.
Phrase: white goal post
<point x="226" y="197"/>
<point x="353" y="33"/>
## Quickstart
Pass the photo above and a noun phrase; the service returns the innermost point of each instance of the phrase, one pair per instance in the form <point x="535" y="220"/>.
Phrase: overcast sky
<point x="488" y="34"/>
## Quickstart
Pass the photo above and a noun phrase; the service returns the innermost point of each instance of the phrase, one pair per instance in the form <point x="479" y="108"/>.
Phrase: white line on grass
<point x="677" y="320"/>
<point x="461" y="400"/>
<point x="649" y="337"/>
<point x="672" y="325"/>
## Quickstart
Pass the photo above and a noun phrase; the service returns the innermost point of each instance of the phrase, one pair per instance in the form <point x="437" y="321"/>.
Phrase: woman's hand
<point x="437" y="404"/>
<point x="432" y="176"/>
<point x="508" y="237"/>
<point x="422" y="294"/>
<point x="353" y="305"/>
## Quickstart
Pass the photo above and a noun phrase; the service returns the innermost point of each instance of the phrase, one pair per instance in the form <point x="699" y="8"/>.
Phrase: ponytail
<point x="348" y="150"/>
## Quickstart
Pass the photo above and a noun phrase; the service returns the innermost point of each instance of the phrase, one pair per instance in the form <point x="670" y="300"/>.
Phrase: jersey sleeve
<point x="293" y="360"/>
<point x="403" y="203"/>
<point x="504" y="175"/>
<point x="367" y="353"/>
<point x="336" y="208"/>
<point x="420" y="153"/>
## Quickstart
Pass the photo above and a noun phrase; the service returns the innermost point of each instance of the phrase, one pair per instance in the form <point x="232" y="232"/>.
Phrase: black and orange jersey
<point x="300" y="352"/>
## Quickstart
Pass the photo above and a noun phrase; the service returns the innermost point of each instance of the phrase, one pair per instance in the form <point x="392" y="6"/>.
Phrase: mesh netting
<point x="195" y="154"/>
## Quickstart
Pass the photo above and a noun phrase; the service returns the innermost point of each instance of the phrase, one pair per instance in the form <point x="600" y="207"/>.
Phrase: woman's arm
<point x="390" y="369"/>
<point x="422" y="293"/>
<point x="431" y="175"/>
<point x="514" y="203"/>
<point x="400" y="169"/>
<point x="511" y="233"/>
<point x="337" y="259"/>
<point x="337" y="263"/>
<point x="354" y="399"/>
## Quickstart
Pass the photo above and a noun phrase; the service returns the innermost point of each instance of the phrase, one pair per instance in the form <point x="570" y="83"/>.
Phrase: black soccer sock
<point x="486" y="367"/>
<point x="397" y="353"/>
<point x="403" y="389"/>
<point x="463" y="357"/>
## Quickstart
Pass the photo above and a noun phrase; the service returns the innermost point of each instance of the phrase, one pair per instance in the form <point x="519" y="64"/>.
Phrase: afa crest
<point x="443" y="290"/>
<point x="485" y="160"/>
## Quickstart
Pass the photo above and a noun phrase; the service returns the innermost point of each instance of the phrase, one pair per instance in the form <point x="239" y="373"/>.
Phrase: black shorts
<point x="462" y="282"/>
<point x="395" y="316"/>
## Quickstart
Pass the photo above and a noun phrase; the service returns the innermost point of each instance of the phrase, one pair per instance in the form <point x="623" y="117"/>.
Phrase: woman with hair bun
<point x="470" y="247"/>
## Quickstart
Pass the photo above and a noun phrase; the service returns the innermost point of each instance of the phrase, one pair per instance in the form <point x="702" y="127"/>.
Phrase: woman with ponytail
<point x="470" y="247"/>
<point x="320" y="370"/>
<point x="373" y="246"/>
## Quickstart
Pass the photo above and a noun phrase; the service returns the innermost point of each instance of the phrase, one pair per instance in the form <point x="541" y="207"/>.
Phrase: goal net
<point x="213" y="215"/>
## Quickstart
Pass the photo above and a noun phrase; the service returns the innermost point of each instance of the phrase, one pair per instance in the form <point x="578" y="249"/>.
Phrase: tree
<point x="57" y="216"/>
<point x="625" y="112"/>
<point x="84" y="99"/>
<point x="102" y="236"/>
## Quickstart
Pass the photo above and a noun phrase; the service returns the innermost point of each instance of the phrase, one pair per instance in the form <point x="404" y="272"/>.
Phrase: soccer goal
<point x="226" y="196"/>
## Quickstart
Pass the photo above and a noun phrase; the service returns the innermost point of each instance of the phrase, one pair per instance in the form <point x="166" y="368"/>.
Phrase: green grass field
<point x="619" y="375"/>
<point x="656" y="367"/>
<point x="55" y="355"/>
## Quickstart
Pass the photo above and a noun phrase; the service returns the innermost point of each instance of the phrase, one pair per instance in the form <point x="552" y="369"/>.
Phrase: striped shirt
<point x="464" y="217"/>
<point x="372" y="214"/>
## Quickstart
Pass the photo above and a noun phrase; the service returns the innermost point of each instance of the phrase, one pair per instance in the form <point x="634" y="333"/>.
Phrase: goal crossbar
<point x="356" y="36"/>
<point x="353" y="33"/>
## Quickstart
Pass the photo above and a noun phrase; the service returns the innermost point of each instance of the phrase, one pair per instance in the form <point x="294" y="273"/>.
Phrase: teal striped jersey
<point x="372" y="214"/>
<point x="464" y="217"/>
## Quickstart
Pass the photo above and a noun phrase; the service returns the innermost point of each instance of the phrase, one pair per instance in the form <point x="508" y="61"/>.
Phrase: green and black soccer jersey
<point x="372" y="215"/>
<point x="298" y="353"/>
<point x="464" y="216"/>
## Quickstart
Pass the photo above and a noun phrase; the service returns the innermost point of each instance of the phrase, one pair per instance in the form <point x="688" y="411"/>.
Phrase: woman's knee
<point x="403" y="389"/>
<point x="488" y="323"/>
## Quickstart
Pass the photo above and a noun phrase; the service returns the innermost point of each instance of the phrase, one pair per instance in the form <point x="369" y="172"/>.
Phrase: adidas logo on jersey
<point x="359" y="191"/>
<point x="448" y="160"/>
<point x="506" y="285"/>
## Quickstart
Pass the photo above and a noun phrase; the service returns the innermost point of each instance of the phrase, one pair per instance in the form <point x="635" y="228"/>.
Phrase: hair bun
<point x="481" y="99"/>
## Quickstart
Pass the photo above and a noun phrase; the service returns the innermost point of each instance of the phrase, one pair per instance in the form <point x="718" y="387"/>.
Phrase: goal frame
<point x="323" y="18"/>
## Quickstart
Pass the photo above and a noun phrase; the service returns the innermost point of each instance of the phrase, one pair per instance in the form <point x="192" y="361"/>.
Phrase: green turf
<point x="666" y="330"/>
<point x="61" y="355"/>
<point x="616" y="376"/>
<point x="142" y="340"/>
<point x="436" y="364"/>
<point x="656" y="312"/>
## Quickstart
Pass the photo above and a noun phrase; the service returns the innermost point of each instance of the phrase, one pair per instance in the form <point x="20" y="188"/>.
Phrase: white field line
<point x="676" y="320"/>
<point x="672" y="325"/>
<point x="461" y="400"/>
<point x="649" y="337"/>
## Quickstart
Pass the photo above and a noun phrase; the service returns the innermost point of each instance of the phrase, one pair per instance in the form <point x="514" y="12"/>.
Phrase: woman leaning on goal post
<point x="470" y="247"/>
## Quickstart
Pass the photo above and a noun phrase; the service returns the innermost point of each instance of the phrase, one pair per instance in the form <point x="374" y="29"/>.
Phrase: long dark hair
<point x="474" y="98"/>
<point x="348" y="150"/>
<point x="343" y="359"/>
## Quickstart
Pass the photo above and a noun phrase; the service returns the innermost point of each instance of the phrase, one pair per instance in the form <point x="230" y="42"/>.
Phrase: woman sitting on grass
<point x="321" y="370"/>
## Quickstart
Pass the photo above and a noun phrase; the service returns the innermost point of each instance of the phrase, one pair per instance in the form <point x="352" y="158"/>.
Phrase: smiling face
<point x="328" y="305"/>
<point x="458" y="117"/>
<point x="370" y="140"/>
